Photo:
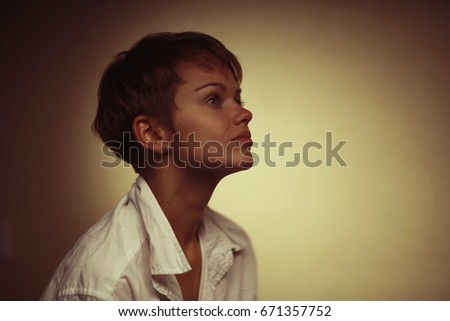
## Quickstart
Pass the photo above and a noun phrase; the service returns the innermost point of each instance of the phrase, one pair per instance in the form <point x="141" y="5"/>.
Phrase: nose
<point x="243" y="116"/>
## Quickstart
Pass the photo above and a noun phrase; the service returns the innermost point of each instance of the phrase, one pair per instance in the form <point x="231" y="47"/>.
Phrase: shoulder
<point x="95" y="264"/>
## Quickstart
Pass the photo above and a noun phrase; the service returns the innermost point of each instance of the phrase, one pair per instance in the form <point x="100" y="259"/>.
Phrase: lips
<point x="243" y="137"/>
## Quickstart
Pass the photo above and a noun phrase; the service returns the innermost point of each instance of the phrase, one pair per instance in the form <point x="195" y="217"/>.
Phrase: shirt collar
<point x="216" y="235"/>
<point x="166" y="255"/>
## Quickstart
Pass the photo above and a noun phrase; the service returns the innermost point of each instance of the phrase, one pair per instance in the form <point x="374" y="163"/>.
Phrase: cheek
<point x="183" y="127"/>
<point x="204" y="126"/>
<point x="203" y="130"/>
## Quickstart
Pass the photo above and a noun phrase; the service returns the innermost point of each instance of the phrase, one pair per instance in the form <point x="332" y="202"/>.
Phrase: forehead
<point x="195" y="74"/>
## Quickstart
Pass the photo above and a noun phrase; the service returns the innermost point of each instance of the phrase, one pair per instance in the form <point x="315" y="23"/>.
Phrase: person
<point x="171" y="107"/>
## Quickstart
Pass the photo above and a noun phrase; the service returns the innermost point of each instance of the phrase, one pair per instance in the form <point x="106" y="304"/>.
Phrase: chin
<point x="243" y="164"/>
<point x="246" y="163"/>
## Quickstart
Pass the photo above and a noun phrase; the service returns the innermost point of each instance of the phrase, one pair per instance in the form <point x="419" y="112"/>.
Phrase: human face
<point x="211" y="124"/>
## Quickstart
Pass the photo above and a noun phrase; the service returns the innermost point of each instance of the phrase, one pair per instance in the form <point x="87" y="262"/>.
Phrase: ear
<point x="150" y="134"/>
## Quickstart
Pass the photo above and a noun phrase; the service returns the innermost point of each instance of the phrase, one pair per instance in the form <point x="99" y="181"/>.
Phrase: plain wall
<point x="375" y="75"/>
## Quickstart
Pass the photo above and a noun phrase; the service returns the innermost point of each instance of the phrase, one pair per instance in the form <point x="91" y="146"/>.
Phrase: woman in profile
<point x="171" y="107"/>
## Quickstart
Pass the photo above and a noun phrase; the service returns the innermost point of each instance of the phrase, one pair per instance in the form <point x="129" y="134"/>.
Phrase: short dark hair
<point x="143" y="80"/>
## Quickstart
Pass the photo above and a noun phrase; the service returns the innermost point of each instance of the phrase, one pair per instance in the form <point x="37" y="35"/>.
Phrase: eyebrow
<point x="212" y="84"/>
<point x="216" y="84"/>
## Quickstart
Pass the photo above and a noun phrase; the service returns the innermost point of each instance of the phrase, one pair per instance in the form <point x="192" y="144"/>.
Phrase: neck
<point x="183" y="195"/>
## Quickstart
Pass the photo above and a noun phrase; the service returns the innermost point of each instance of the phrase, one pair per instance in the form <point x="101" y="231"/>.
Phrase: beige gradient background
<point x="376" y="75"/>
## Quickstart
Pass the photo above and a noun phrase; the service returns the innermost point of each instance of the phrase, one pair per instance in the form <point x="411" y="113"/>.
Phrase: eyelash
<point x="216" y="100"/>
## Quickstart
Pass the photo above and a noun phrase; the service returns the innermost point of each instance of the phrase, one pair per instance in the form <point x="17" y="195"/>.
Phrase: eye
<point x="214" y="100"/>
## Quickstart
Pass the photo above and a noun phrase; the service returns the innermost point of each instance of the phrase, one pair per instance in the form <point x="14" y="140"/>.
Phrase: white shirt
<point x="132" y="253"/>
